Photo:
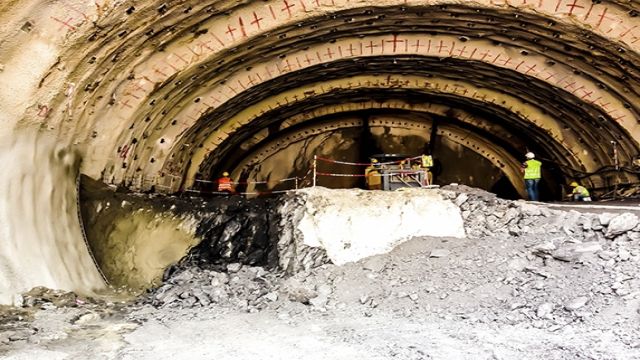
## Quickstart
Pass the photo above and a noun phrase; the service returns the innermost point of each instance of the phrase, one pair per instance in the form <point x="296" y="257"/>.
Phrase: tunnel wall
<point x="157" y="92"/>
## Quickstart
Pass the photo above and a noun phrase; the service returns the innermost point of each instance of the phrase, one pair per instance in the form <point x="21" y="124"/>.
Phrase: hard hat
<point x="529" y="155"/>
<point x="225" y="174"/>
<point x="374" y="160"/>
<point x="573" y="184"/>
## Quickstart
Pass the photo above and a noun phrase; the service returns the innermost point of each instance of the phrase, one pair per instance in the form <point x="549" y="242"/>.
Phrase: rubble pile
<point x="236" y="287"/>
<point x="521" y="265"/>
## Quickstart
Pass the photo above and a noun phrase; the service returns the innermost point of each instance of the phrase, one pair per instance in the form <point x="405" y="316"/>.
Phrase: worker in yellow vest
<point x="532" y="170"/>
<point x="579" y="193"/>
<point x="372" y="176"/>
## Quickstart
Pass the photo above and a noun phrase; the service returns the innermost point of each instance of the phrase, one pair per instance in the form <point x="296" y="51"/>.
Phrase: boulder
<point x="621" y="224"/>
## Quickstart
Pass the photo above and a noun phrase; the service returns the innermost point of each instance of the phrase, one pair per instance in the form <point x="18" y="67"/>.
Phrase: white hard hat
<point x="529" y="155"/>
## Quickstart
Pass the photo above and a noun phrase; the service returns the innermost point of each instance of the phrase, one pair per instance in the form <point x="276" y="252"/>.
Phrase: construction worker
<point x="532" y="170"/>
<point x="579" y="193"/>
<point x="225" y="184"/>
<point x="426" y="161"/>
<point x="372" y="176"/>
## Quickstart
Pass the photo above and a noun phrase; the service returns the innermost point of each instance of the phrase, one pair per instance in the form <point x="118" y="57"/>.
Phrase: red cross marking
<point x="307" y="60"/>
<point x="125" y="103"/>
<point x="628" y="31"/>
<point x="329" y="53"/>
<point x="570" y="85"/>
<point x="602" y="17"/>
<point x="417" y="45"/>
<point x="395" y="42"/>
<point x="241" y="85"/>
<point x="586" y="94"/>
<point x="64" y="23"/>
<point x="288" y="67"/>
<point x="506" y="62"/>
<point x="575" y="90"/>
<point x="287" y="7"/>
<point x="230" y="31"/>
<point x="485" y="54"/>
<point x="573" y="6"/>
<point x="351" y="49"/>
<point x="441" y="46"/>
<point x="530" y="69"/>
<point x="256" y="20"/>
<point x="371" y="46"/>
<point x="462" y="51"/>
<point x="181" y="58"/>
<point x="252" y="81"/>
<point x="158" y="71"/>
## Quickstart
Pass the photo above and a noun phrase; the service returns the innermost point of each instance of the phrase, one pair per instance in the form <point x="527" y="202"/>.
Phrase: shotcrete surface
<point x="353" y="224"/>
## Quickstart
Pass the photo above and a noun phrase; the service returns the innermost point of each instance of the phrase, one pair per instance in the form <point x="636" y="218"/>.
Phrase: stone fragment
<point x="374" y="263"/>
<point x="438" y="253"/>
<point x="234" y="267"/>
<point x="271" y="296"/>
<point x="461" y="199"/>
<point x="576" y="303"/>
<point x="546" y="246"/>
<point x="87" y="318"/>
<point x="624" y="254"/>
<point x="621" y="224"/>
<point x="591" y="246"/>
<point x="605" y="218"/>
<point x="544" y="311"/>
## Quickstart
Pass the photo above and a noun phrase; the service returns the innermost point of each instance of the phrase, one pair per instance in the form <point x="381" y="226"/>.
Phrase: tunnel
<point x="163" y="95"/>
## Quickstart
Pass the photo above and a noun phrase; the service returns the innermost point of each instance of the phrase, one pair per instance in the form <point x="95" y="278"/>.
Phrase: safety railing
<point x="400" y="170"/>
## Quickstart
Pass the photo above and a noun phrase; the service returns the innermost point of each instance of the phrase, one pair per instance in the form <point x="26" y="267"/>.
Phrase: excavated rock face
<point x="164" y="93"/>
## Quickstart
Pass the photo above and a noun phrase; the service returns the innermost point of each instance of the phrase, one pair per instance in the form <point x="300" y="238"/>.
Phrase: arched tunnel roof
<point x="163" y="90"/>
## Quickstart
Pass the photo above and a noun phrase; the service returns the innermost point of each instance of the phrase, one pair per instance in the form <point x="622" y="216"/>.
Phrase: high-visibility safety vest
<point x="532" y="171"/>
<point x="427" y="161"/>
<point x="373" y="176"/>
<point x="581" y="190"/>
<point x="224" y="184"/>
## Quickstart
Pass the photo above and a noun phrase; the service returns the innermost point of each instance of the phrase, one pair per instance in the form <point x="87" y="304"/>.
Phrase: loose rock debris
<point x="541" y="281"/>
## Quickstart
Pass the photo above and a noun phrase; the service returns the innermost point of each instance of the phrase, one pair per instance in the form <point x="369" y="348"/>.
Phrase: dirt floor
<point x="430" y="298"/>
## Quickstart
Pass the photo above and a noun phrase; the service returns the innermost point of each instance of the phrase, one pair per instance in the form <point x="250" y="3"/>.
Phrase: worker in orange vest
<point x="372" y="176"/>
<point x="225" y="184"/>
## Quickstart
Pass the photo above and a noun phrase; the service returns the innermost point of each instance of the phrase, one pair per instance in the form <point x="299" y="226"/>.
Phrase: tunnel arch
<point x="143" y="87"/>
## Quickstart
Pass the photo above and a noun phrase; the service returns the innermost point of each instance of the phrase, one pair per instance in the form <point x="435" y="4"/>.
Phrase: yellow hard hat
<point x="225" y="174"/>
<point x="573" y="184"/>
<point x="374" y="160"/>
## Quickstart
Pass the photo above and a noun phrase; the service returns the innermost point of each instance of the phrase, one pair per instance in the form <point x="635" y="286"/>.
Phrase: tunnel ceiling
<point x="158" y="90"/>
